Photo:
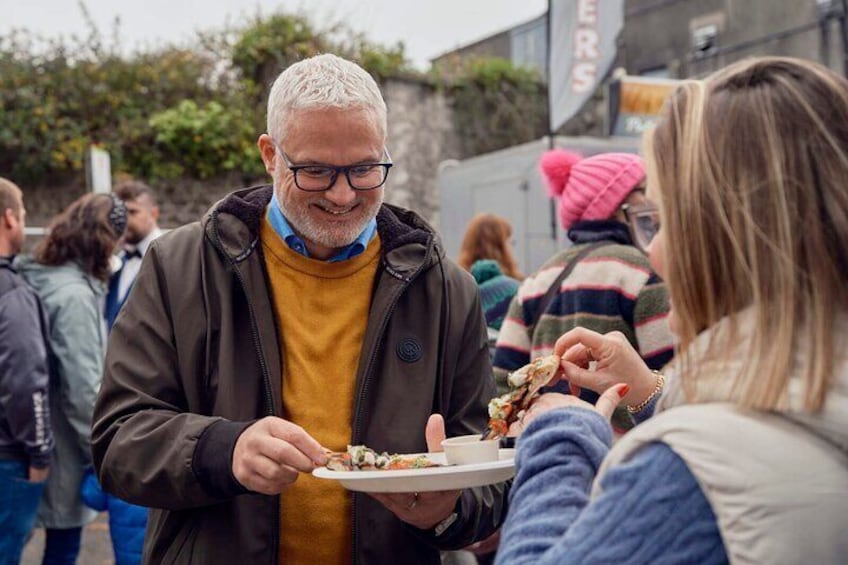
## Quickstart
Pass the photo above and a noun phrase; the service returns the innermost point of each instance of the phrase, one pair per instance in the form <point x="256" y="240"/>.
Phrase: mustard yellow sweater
<point x="321" y="310"/>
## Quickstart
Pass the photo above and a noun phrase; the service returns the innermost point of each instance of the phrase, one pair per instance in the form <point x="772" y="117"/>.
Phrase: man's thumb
<point x="435" y="433"/>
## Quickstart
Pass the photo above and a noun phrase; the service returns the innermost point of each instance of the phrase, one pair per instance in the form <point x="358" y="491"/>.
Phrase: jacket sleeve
<point x="77" y="347"/>
<point x="146" y="444"/>
<point x="479" y="510"/>
<point x="24" y="374"/>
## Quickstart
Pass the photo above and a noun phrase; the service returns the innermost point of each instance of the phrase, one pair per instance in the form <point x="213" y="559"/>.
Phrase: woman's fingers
<point x="584" y="378"/>
<point x="610" y="399"/>
<point x="578" y="354"/>
<point x="578" y="336"/>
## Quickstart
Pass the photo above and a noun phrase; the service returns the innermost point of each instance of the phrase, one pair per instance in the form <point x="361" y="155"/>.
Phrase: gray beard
<point x="316" y="232"/>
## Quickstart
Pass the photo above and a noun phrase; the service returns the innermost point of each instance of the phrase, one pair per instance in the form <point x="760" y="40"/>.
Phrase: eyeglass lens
<point x="363" y="177"/>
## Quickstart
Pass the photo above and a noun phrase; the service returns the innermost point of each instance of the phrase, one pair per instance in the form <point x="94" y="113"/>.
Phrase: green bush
<point x="195" y="113"/>
<point x="497" y="105"/>
<point x="204" y="141"/>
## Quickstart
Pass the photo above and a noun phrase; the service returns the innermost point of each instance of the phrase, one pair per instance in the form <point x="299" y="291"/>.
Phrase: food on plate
<point x="525" y="384"/>
<point x="362" y="458"/>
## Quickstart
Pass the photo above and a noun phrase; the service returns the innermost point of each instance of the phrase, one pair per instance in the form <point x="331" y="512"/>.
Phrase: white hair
<point x="323" y="81"/>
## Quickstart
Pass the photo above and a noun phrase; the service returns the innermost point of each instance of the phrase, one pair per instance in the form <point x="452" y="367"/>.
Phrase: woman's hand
<point x="615" y="361"/>
<point x="605" y="405"/>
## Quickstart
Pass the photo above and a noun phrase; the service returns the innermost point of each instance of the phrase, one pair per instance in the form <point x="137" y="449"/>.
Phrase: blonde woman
<point x="746" y="456"/>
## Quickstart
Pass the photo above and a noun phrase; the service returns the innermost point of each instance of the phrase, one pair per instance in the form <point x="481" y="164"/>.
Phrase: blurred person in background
<point x="26" y="438"/>
<point x="602" y="282"/>
<point x="127" y="522"/>
<point x="487" y="253"/>
<point x="745" y="458"/>
<point x="69" y="270"/>
<point x="142" y="229"/>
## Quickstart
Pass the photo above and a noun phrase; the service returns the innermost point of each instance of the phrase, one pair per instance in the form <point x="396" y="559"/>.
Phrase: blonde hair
<point x="750" y="168"/>
<point x="487" y="237"/>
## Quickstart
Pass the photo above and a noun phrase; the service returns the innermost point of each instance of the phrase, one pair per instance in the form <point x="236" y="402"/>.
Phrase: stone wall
<point x="420" y="137"/>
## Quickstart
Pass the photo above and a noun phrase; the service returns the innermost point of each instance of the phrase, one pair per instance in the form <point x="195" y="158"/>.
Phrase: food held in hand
<point x="525" y="384"/>
<point x="362" y="458"/>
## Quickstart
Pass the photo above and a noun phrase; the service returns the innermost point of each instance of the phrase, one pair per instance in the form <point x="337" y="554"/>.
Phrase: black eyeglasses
<point x="643" y="221"/>
<point x="319" y="178"/>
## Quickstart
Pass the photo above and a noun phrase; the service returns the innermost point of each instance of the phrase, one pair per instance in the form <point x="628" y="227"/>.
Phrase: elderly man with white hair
<point x="295" y="319"/>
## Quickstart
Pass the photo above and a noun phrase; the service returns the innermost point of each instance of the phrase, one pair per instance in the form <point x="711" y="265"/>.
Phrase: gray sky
<point x="428" y="28"/>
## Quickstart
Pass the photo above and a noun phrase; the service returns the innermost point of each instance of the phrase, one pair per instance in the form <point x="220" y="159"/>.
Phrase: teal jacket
<point x="77" y="346"/>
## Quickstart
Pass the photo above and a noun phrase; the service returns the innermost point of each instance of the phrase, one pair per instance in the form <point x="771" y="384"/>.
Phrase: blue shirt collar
<point x="294" y="241"/>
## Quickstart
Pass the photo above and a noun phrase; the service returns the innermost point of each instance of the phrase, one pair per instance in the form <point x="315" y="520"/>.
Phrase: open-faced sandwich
<point x="362" y="458"/>
<point x="525" y="384"/>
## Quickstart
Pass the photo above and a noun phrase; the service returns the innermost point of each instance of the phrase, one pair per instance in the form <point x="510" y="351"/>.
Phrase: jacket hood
<point x="408" y="241"/>
<point x="830" y="423"/>
<point x="47" y="279"/>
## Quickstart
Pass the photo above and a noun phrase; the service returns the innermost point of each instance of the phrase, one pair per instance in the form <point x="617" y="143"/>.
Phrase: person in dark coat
<point x="26" y="438"/>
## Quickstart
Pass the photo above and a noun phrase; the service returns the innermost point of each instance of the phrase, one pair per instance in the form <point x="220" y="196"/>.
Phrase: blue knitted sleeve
<point x="651" y="509"/>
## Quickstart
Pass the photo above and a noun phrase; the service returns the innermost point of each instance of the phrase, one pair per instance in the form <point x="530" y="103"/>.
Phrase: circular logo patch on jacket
<point x="409" y="350"/>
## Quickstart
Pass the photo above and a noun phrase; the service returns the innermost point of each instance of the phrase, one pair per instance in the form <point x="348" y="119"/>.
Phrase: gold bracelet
<point x="657" y="389"/>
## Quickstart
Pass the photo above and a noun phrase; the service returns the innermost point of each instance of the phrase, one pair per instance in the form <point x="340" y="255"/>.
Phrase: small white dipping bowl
<point x="462" y="450"/>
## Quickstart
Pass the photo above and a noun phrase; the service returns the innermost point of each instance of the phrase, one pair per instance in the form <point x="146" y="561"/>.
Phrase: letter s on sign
<point x="583" y="77"/>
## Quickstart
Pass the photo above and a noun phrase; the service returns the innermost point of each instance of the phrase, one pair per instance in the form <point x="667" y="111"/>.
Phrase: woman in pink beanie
<point x="603" y="281"/>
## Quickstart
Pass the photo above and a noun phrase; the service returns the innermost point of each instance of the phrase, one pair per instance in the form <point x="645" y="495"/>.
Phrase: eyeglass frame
<point x="336" y="171"/>
<point x="631" y="213"/>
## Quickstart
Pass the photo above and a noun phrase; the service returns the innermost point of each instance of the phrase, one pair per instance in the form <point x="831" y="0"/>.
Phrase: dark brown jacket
<point x="193" y="359"/>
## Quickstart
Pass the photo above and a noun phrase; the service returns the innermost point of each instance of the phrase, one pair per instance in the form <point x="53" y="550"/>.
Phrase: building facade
<point x="701" y="36"/>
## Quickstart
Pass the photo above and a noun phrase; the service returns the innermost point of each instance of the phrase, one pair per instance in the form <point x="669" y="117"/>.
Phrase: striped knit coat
<point x="612" y="288"/>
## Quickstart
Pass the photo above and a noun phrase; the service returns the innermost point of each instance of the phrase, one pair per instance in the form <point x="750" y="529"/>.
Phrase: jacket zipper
<point x="357" y="429"/>
<point x="266" y="378"/>
<point x="362" y="395"/>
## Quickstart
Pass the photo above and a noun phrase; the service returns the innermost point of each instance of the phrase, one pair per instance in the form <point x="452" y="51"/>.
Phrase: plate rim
<point x="502" y="463"/>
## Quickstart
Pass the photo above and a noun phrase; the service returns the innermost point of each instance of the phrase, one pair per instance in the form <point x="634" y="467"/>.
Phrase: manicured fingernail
<point x="623" y="390"/>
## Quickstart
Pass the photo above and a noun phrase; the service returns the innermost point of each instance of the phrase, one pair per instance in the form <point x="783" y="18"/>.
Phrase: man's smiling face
<point x="329" y="220"/>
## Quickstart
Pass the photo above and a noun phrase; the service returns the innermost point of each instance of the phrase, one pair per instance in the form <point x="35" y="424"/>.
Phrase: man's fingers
<point x="608" y="401"/>
<point x="297" y="436"/>
<point x="272" y="471"/>
<point x="434" y="433"/>
<point x="284" y="453"/>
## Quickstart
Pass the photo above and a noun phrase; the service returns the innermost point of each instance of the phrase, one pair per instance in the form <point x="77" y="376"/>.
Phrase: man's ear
<point x="268" y="151"/>
<point x="154" y="211"/>
<point x="9" y="218"/>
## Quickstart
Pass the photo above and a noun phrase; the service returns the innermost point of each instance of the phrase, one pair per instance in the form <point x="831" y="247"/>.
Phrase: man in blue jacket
<point x="26" y="441"/>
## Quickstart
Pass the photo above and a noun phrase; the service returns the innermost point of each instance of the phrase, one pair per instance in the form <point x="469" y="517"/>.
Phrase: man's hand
<point x="423" y="510"/>
<point x="38" y="474"/>
<point x="270" y="453"/>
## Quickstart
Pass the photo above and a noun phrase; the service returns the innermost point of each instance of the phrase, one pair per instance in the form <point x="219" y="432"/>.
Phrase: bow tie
<point x="131" y="254"/>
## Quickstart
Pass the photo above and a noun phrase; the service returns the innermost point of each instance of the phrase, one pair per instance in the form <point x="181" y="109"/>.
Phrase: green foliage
<point x="194" y="113"/>
<point x="201" y="142"/>
<point x="268" y="46"/>
<point x="497" y="105"/>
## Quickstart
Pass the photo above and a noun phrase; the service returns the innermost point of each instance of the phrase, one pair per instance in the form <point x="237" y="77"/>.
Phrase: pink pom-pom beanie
<point x="592" y="188"/>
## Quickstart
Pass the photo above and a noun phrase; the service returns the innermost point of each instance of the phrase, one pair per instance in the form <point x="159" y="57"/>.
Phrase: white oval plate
<point x="449" y="477"/>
